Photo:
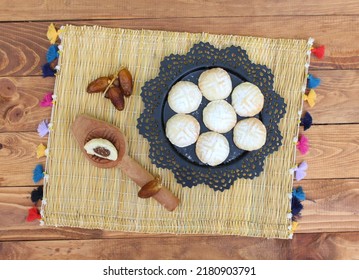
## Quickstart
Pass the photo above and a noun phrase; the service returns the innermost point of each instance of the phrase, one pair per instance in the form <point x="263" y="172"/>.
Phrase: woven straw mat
<point x="76" y="194"/>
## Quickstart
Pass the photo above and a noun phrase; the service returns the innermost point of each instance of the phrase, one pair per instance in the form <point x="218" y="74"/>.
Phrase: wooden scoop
<point x="86" y="128"/>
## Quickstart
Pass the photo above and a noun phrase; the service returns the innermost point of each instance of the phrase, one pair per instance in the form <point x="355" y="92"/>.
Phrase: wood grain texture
<point x="337" y="97"/>
<point x="303" y="246"/>
<point x="112" y="9"/>
<point x="18" y="158"/>
<point x="331" y="207"/>
<point x="23" y="46"/>
<point x="333" y="151"/>
<point x="20" y="98"/>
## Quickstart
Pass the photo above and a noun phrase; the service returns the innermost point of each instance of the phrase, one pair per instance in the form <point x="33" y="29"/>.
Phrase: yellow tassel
<point x="294" y="226"/>
<point x="52" y="33"/>
<point x="310" y="98"/>
<point x="40" y="152"/>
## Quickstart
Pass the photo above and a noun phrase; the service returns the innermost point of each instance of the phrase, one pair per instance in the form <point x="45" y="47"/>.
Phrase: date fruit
<point x="98" y="85"/>
<point x="150" y="189"/>
<point x="115" y="94"/>
<point x="125" y="78"/>
<point x="116" y="83"/>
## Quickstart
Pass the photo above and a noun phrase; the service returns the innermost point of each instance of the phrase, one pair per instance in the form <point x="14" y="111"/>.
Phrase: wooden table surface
<point x="330" y="220"/>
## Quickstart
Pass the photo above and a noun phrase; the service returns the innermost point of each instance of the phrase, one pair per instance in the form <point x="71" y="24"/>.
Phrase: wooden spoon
<point x="86" y="128"/>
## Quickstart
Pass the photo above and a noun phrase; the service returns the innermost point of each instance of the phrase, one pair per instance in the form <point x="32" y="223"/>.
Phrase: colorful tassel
<point x="47" y="100"/>
<point x="297" y="197"/>
<point x="38" y="173"/>
<point x="303" y="145"/>
<point x="37" y="194"/>
<point x="47" y="71"/>
<point x="299" y="193"/>
<point x="52" y="33"/>
<point x="296" y="206"/>
<point x="41" y="151"/>
<point x="300" y="171"/>
<point x="33" y="214"/>
<point x="310" y="97"/>
<point x="52" y="53"/>
<point x="313" y="82"/>
<point x="294" y="226"/>
<point x="319" y="51"/>
<point x="43" y="128"/>
<point x="306" y="121"/>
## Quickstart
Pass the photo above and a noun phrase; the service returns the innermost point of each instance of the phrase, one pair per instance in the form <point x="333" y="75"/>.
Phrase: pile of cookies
<point x="219" y="116"/>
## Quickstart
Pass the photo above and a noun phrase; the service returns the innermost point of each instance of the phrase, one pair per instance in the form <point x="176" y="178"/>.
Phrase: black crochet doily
<point x="183" y="162"/>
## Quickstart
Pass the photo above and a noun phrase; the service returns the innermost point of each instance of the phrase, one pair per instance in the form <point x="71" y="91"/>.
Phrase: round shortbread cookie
<point x="184" y="97"/>
<point x="249" y="134"/>
<point x="247" y="99"/>
<point x="219" y="116"/>
<point x="182" y="130"/>
<point x="212" y="148"/>
<point x="215" y="84"/>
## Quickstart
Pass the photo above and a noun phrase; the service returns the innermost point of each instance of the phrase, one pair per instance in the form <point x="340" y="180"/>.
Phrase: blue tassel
<point x="47" y="71"/>
<point x="298" y="193"/>
<point x="38" y="173"/>
<point x="306" y="121"/>
<point x="296" y="206"/>
<point x="313" y="82"/>
<point x="52" y="53"/>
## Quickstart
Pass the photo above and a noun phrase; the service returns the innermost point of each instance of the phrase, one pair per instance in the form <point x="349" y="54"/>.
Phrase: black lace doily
<point x="183" y="162"/>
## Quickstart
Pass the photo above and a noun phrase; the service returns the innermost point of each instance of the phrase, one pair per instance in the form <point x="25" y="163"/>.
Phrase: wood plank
<point x="20" y="98"/>
<point x="337" y="97"/>
<point x="18" y="158"/>
<point x="333" y="151"/>
<point x="331" y="207"/>
<point x="20" y="110"/>
<point x="23" y="46"/>
<point x="303" y="246"/>
<point x="112" y="9"/>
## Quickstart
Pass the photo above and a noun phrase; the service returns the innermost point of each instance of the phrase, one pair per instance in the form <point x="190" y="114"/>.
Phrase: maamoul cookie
<point x="212" y="148"/>
<point x="249" y="134"/>
<point x="182" y="130"/>
<point x="215" y="84"/>
<point x="219" y="116"/>
<point x="184" y="97"/>
<point x="247" y="99"/>
<point x="101" y="148"/>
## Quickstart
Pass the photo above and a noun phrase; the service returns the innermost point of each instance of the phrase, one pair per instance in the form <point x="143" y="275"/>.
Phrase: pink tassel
<point x="47" y="100"/>
<point x="303" y="145"/>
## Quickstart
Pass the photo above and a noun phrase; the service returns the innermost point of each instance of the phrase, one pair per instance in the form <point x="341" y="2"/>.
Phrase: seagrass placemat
<point x="76" y="194"/>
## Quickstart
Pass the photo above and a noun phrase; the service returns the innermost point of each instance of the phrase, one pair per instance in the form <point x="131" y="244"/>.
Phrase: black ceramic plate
<point x="187" y="168"/>
<point x="163" y="113"/>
